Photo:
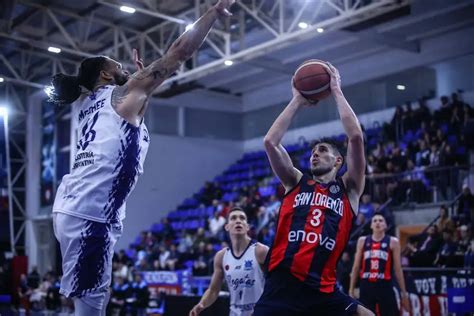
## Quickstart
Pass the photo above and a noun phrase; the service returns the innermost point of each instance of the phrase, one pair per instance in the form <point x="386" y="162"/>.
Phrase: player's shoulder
<point x="219" y="256"/>
<point x="361" y="239"/>
<point x="261" y="252"/>
<point x="394" y="241"/>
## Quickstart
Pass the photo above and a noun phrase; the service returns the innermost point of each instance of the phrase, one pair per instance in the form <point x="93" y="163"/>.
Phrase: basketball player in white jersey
<point x="241" y="265"/>
<point x="112" y="142"/>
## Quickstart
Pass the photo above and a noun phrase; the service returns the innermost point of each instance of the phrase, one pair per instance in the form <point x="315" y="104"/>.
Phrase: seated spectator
<point x="464" y="237"/>
<point x="172" y="262"/>
<point x="444" y="221"/>
<point x="34" y="278"/>
<point x="216" y="226"/>
<point x="448" y="254"/>
<point x="119" y="294"/>
<point x="425" y="253"/>
<point x="465" y="210"/>
<point x="423" y="155"/>
<point x="139" y="295"/>
<point x="366" y="207"/>
<point x="185" y="243"/>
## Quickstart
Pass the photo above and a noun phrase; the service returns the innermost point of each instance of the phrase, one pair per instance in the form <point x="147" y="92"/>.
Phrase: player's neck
<point x="378" y="236"/>
<point x="239" y="244"/>
<point x="325" y="178"/>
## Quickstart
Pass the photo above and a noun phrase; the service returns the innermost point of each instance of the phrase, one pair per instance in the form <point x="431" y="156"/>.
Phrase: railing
<point x="423" y="185"/>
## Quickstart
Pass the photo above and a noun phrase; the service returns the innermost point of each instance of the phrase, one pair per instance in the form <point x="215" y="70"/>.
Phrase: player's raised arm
<point x="354" y="179"/>
<point x="142" y="83"/>
<point x="277" y="155"/>
<point x="212" y="293"/>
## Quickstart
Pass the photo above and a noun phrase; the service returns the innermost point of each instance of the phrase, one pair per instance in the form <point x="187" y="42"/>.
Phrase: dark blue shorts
<point x="379" y="293"/>
<point x="285" y="295"/>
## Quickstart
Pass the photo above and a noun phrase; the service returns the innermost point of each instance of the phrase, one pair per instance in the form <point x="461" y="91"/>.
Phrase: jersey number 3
<point x="315" y="221"/>
<point x="88" y="133"/>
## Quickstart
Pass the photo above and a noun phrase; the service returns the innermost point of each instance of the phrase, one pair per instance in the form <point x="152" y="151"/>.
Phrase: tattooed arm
<point x="130" y="99"/>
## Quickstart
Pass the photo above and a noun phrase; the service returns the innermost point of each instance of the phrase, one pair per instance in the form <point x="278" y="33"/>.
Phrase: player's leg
<point x="336" y="304"/>
<point x="368" y="295"/>
<point x="387" y="301"/>
<point x="87" y="251"/>
<point x="90" y="305"/>
<point x="281" y="297"/>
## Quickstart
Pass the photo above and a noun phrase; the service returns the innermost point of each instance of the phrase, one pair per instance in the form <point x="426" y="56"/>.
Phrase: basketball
<point x="312" y="80"/>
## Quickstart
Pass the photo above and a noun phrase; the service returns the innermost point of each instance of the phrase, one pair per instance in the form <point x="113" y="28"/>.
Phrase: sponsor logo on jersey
<point x="334" y="189"/>
<point x="384" y="245"/>
<point x="376" y="254"/>
<point x="238" y="267"/>
<point x="318" y="199"/>
<point x="244" y="282"/>
<point x="248" y="265"/>
<point x="311" y="238"/>
<point x="83" y="159"/>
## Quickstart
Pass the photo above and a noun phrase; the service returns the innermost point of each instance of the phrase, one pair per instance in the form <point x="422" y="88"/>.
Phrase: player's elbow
<point x="268" y="142"/>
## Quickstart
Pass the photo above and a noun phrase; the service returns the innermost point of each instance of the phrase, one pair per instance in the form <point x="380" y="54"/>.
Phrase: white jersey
<point x="109" y="157"/>
<point x="245" y="280"/>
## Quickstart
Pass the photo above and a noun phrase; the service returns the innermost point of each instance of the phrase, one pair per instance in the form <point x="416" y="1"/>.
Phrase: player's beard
<point x="319" y="171"/>
<point x="120" y="79"/>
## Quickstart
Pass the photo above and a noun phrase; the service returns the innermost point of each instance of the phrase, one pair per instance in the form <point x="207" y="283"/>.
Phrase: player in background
<point x="377" y="258"/>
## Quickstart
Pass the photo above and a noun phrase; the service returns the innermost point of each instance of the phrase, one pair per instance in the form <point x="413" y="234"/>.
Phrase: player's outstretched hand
<point x="299" y="98"/>
<point x="197" y="309"/>
<point x="223" y="6"/>
<point x="335" y="77"/>
<point x="137" y="61"/>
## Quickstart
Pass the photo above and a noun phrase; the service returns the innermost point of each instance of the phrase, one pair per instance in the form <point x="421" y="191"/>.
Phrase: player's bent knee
<point x="362" y="311"/>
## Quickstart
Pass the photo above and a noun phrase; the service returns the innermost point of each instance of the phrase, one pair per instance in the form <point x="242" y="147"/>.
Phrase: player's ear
<point x="106" y="75"/>
<point x="226" y="227"/>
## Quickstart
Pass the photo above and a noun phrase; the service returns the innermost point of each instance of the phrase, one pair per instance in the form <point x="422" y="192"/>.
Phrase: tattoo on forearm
<point x="118" y="95"/>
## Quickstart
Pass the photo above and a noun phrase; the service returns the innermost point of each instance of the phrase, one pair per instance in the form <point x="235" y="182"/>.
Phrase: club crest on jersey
<point x="248" y="265"/>
<point x="384" y="245"/>
<point x="334" y="189"/>
<point x="311" y="182"/>
<point x="226" y="267"/>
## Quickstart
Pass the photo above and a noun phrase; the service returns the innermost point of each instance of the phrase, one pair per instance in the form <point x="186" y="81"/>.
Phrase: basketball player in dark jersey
<point x="376" y="256"/>
<point x="315" y="217"/>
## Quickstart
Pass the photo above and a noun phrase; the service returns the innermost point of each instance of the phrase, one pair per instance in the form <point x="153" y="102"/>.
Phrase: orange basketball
<point x="312" y="80"/>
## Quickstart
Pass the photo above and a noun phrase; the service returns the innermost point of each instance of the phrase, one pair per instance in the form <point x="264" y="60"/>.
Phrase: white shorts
<point x="87" y="248"/>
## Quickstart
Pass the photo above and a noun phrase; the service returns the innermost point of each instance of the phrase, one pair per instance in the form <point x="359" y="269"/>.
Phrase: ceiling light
<point x="188" y="27"/>
<point x="3" y="111"/>
<point x="53" y="49"/>
<point x="302" y="25"/>
<point x="1" y="79"/>
<point x="400" y="87"/>
<point x="127" y="9"/>
<point x="228" y="62"/>
<point x="320" y="30"/>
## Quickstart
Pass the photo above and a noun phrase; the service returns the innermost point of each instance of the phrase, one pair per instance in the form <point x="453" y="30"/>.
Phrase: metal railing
<point x="423" y="185"/>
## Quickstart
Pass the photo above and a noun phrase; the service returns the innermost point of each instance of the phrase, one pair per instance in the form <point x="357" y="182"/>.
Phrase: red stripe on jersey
<point x="284" y="222"/>
<point x="388" y="264"/>
<point x="303" y="258"/>
<point x="328" y="275"/>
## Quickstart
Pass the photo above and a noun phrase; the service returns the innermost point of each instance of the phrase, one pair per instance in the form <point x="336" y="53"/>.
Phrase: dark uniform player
<point x="315" y="218"/>
<point x="376" y="257"/>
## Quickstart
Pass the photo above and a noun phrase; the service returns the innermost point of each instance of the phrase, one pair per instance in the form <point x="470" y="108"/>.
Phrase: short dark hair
<point x="337" y="147"/>
<point x="67" y="89"/>
<point x="235" y="209"/>
<point x="379" y="214"/>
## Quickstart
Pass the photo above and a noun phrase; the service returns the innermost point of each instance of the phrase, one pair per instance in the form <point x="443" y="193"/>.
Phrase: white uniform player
<point x="90" y="201"/>
<point x="240" y="265"/>
<point x="111" y="147"/>
<point x="245" y="279"/>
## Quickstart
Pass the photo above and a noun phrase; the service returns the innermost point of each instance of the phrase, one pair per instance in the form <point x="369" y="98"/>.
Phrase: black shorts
<point x="379" y="293"/>
<point x="285" y="295"/>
